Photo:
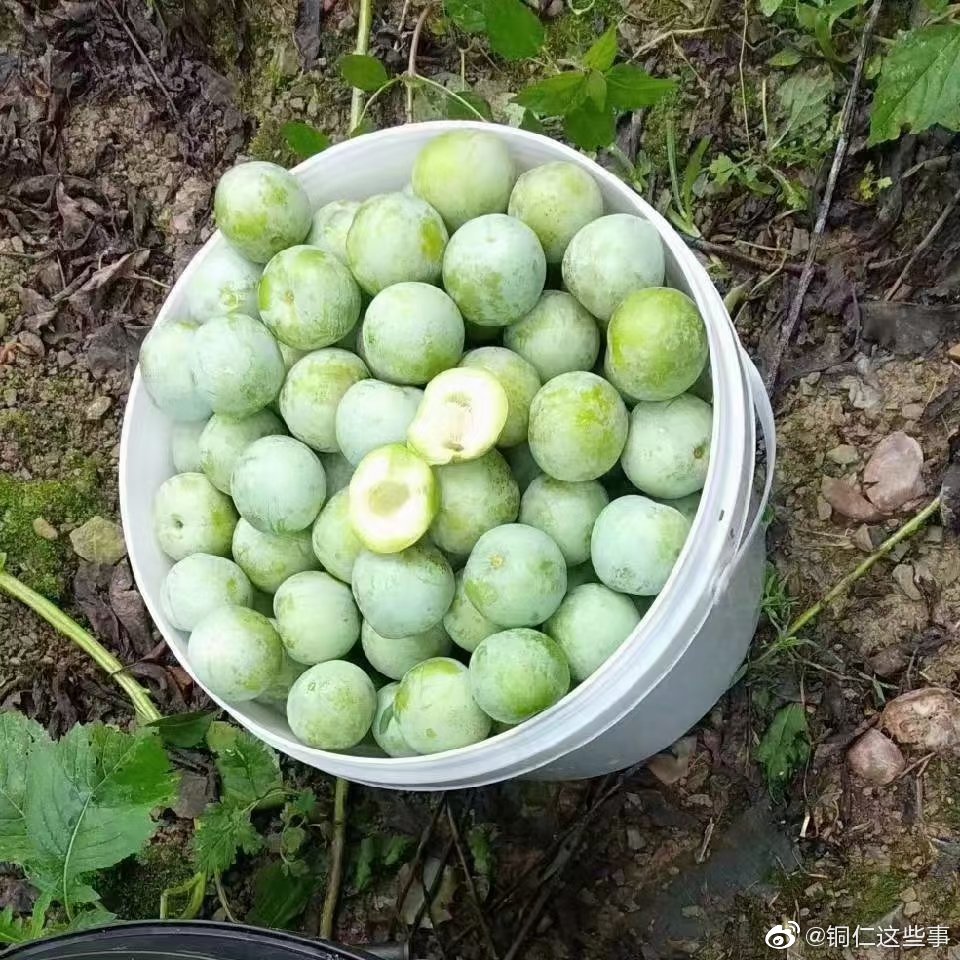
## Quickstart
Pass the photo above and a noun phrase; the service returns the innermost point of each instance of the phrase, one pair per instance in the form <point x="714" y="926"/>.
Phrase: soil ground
<point x="115" y="119"/>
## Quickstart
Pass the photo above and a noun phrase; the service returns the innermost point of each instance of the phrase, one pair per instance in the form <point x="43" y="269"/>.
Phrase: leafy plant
<point x="378" y="852"/>
<point x="785" y="747"/>
<point x="513" y="29"/>
<point x="303" y="139"/>
<point x="681" y="212"/>
<point x="590" y="100"/>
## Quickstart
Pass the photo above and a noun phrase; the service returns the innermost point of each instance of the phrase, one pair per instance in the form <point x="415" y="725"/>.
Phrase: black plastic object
<point x="197" y="940"/>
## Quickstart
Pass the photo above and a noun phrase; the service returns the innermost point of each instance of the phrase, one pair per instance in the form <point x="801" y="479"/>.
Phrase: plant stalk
<point x="337" y="847"/>
<point x="364" y="23"/>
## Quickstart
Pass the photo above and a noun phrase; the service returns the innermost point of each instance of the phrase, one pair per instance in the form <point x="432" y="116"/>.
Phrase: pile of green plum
<point x="436" y="451"/>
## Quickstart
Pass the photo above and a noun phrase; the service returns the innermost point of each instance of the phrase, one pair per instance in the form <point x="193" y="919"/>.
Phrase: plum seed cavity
<point x="387" y="497"/>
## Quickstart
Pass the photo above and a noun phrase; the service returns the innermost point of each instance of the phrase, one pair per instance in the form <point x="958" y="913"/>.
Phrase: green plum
<point x="610" y="258"/>
<point x="276" y="694"/>
<point x="635" y="544"/>
<point x="688" y="505"/>
<point x="278" y="485"/>
<point x="656" y="344"/>
<point x="578" y="426"/>
<point x="198" y="585"/>
<point x="404" y="593"/>
<point x="338" y="469"/>
<point x="372" y="414"/>
<point x="261" y="209"/>
<point x="555" y="200"/>
<point x="668" y="446"/>
<point x="190" y="515"/>
<point x="393" y="499"/>
<point x="475" y="497"/>
<point x="556" y="336"/>
<point x="312" y="392"/>
<point x="464" y="174"/>
<point x="316" y="617"/>
<point x="235" y="653"/>
<point x="225" y="282"/>
<point x="566" y="511"/>
<point x="332" y="705"/>
<point x="334" y="542"/>
<point x="331" y="224"/>
<point x="395" y="237"/>
<point x="386" y="727"/>
<point x="185" y="445"/>
<point x="520" y="382"/>
<point x="237" y="365"/>
<point x="290" y="354"/>
<point x="166" y="365"/>
<point x="393" y="657"/>
<point x="522" y="465"/>
<point x="516" y="575"/>
<point x="435" y="709"/>
<point x="267" y="559"/>
<point x="464" y="623"/>
<point x="516" y="674"/>
<point x="590" y="624"/>
<point x="494" y="269"/>
<point x="411" y="332"/>
<point x="225" y="438"/>
<point x="308" y="299"/>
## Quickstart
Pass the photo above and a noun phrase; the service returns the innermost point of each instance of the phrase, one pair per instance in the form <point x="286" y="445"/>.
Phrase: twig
<point x="738" y="256"/>
<point x="145" y="58"/>
<point x="743" y="83"/>
<point x="840" y="153"/>
<point x="705" y="845"/>
<point x="221" y="894"/>
<point x="430" y="892"/>
<point x="911" y="527"/>
<point x="923" y="245"/>
<point x="412" y="60"/>
<point x="418" y="854"/>
<point x="471" y="886"/>
<point x="337" y="846"/>
<point x="660" y="38"/>
<point x="363" y="45"/>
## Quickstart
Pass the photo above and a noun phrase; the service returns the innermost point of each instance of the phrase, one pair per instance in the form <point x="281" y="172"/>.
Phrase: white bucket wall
<point x="689" y="645"/>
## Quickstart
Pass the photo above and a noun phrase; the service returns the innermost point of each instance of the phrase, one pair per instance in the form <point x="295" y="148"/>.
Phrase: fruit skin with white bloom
<point x="334" y="542"/>
<point x="566" y="512"/>
<point x="464" y="623"/>
<point x="316" y="617"/>
<point x="520" y="382"/>
<point x="199" y="584"/>
<point x="261" y="209"/>
<point x="235" y="653"/>
<point x="190" y="515"/>
<point x="393" y="499"/>
<point x="332" y="705"/>
<point x="435" y="708"/>
<point x="185" y="445"/>
<point x="226" y="282"/>
<point x="393" y="657"/>
<point x="403" y="593"/>
<point x="330" y="226"/>
<point x="372" y="414"/>
<point x="237" y="365"/>
<point x="276" y="694"/>
<point x="386" y="728"/>
<point x="224" y="438"/>
<point x="166" y="365"/>
<point x="610" y="258"/>
<point x="464" y="174"/>
<point x="269" y="560"/>
<point x="278" y="485"/>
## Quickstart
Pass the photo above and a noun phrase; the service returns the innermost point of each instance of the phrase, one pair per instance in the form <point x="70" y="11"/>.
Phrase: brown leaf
<point x="88" y="298"/>
<point x="127" y="604"/>
<point x="88" y="583"/>
<point x="76" y="226"/>
<point x="893" y="472"/>
<point x="847" y="500"/>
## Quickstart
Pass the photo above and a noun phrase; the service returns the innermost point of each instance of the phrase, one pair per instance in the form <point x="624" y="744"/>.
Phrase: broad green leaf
<point x="303" y="139"/>
<point x="12" y="929"/>
<point x="184" y="730"/>
<point x="804" y="105"/>
<point x="590" y="128"/>
<point x="90" y="799"/>
<point x="396" y="849"/>
<point x="89" y="919"/>
<point x="785" y="746"/>
<point x="468" y="15"/>
<point x="630" y="88"/>
<point x="222" y="832"/>
<point x="769" y="7"/>
<point x="18" y="737"/>
<point x="301" y="804"/>
<point x="514" y="30"/>
<point x="249" y="769"/>
<point x="279" y="896"/>
<point x="363" y="72"/>
<point x="529" y="121"/>
<point x="554" y="96"/>
<point x="722" y="170"/>
<point x="456" y="110"/>
<point x="788" y="57"/>
<point x="692" y="171"/>
<point x="603" y="52"/>
<point x="366" y="857"/>
<point x="919" y="84"/>
<point x="596" y="89"/>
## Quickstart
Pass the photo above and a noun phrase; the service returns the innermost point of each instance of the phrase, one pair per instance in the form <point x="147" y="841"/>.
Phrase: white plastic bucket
<point x="685" y="650"/>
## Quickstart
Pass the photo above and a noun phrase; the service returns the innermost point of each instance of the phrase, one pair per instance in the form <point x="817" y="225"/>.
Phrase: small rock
<point x="889" y="661"/>
<point x="634" y="838"/>
<point x="892" y="474"/>
<point x="824" y="510"/>
<point x="99" y="541"/>
<point x="64" y="358"/>
<point x="45" y="529"/>
<point x="954" y="353"/>
<point x="907" y="895"/>
<point x="96" y="408"/>
<point x="847" y="500"/>
<point x="875" y="759"/>
<point x="844" y="455"/>
<point x="814" y="890"/>
<point x="933" y="535"/>
<point x="927" y="718"/>
<point x="912" y="411"/>
<point x="903" y="575"/>
<point x="297" y="103"/>
<point x="692" y="911"/>
<point x="863" y="538"/>
<point x="911" y="909"/>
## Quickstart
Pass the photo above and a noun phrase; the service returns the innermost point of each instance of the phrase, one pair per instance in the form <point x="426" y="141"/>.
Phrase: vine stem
<point x="337" y="847"/>
<point x="364" y="23"/>
<point x="412" y="61"/>
<point x="142" y="704"/>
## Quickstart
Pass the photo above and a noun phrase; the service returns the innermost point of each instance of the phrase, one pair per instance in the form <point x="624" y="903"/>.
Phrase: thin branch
<point x="732" y="253"/>
<point x="337" y="847"/>
<point x="661" y="38"/>
<point x="471" y="886"/>
<point x="364" y="23"/>
<point x="415" y="863"/>
<point x="412" y="60"/>
<point x="839" y="155"/>
<point x="743" y="83"/>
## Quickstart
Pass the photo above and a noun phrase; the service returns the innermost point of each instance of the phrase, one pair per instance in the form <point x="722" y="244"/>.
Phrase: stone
<point x="824" y="510"/>
<point x="954" y="353"/>
<point x="928" y="718"/>
<point x="98" y="541"/>
<point x="847" y="500"/>
<point x="908" y="894"/>
<point x="96" y="408"/>
<point x="844" y="454"/>
<point x="911" y="909"/>
<point x="875" y="759"/>
<point x="904" y="577"/>
<point x="892" y="474"/>
<point x="912" y="411"/>
<point x="863" y="538"/>
<point x="45" y="529"/>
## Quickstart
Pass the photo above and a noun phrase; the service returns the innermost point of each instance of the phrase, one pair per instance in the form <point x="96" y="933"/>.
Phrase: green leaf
<point x="249" y="769"/>
<point x="12" y="929"/>
<point x="366" y="858"/>
<point x="919" y="84"/>
<point x="692" y="171"/>
<point x="788" y="57"/>
<point x="222" y="832"/>
<point x="590" y="128"/>
<point x="785" y="746"/>
<point x="303" y="139"/>
<point x="602" y="54"/>
<point x="396" y="850"/>
<point x="630" y="88"/>
<point x="184" y="730"/>
<point x="514" y="30"/>
<point x="89" y="802"/>
<point x="531" y="122"/>
<point x="468" y="15"/>
<point x="554" y="96"/>
<point x="302" y="804"/>
<point x="722" y="170"/>
<point x="18" y="737"/>
<point x="279" y="896"/>
<point x="363" y="72"/>
<point x="804" y="105"/>
<point x="456" y="110"/>
<point x="596" y="89"/>
<point x="481" y="849"/>
<point x="769" y="7"/>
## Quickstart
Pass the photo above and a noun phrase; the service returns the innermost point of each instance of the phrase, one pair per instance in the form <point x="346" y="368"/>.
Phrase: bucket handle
<point x="764" y="413"/>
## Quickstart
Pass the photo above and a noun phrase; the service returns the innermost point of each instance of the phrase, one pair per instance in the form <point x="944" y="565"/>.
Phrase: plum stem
<point x="364" y="23"/>
<point x="337" y="847"/>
